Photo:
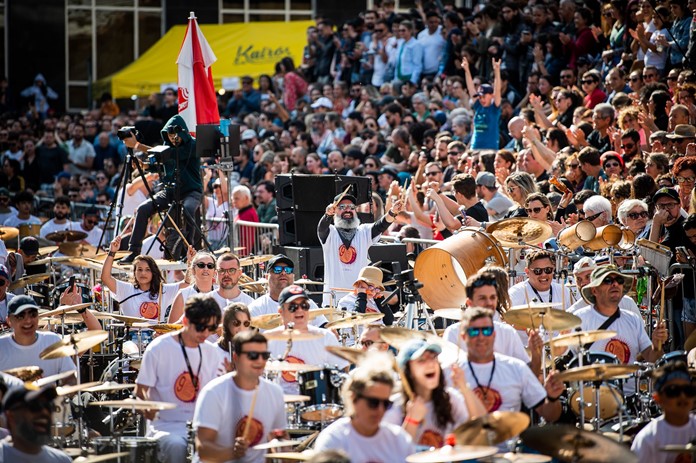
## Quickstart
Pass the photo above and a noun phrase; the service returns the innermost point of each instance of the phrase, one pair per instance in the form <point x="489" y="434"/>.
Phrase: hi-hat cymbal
<point x="65" y="309"/>
<point x="533" y="316"/>
<point x="291" y="398"/>
<point x="110" y="386"/>
<point x="49" y="261"/>
<point x="597" y="372"/>
<point x="8" y="233"/>
<point x="26" y="374"/>
<point x="275" y="443"/>
<point x="581" y="338"/>
<point x="452" y="453"/>
<point x="307" y="281"/>
<point x="520" y="232"/>
<point x="253" y="260"/>
<point x="347" y="353"/>
<point x="130" y="320"/>
<point x="53" y="378"/>
<point x="68" y="345"/>
<point x="77" y="249"/>
<point x="568" y="443"/>
<point x="355" y="319"/>
<point x="267" y="321"/>
<point x="295" y="335"/>
<point x="29" y="280"/>
<point x="66" y="235"/>
<point x="135" y="404"/>
<point x="492" y="429"/>
<point x="100" y="458"/>
<point x="287" y="366"/>
<point x="449" y="314"/>
<point x="70" y="390"/>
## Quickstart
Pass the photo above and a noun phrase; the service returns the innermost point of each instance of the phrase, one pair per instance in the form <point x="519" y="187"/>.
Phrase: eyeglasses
<point x="635" y="215"/>
<point x="674" y="390"/>
<point x="534" y="210"/>
<point x="573" y="166"/>
<point x="278" y="269"/>
<point x="634" y="79"/>
<point x="686" y="179"/>
<point x="611" y="280"/>
<point x="254" y="355"/>
<point x="487" y="331"/>
<point x="346" y="207"/>
<point x="374" y="403"/>
<point x="539" y="271"/>
<point x="201" y="327"/>
<point x="588" y="82"/>
<point x="231" y="271"/>
<point x="238" y="323"/>
<point x="432" y="174"/>
<point x="628" y="146"/>
<point x="92" y="222"/>
<point x="612" y="164"/>
<point x="27" y="313"/>
<point x="292" y="308"/>
<point x="566" y="76"/>
<point x="666" y="206"/>
<point x="367" y="343"/>
<point x="209" y="266"/>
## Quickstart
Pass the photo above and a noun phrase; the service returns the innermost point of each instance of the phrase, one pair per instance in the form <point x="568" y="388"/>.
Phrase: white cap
<point x="248" y="134"/>
<point x="584" y="264"/>
<point x="322" y="101"/>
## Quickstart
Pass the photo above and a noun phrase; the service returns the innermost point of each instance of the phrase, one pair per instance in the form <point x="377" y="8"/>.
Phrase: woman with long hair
<point x="294" y="86"/>
<point x="518" y="186"/>
<point x="684" y="171"/>
<point x="201" y="271"/>
<point x="235" y="319"/>
<point x="314" y="165"/>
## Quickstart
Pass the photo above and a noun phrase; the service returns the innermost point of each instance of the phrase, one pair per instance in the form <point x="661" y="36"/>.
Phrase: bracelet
<point x="391" y="214"/>
<point x="112" y="254"/>
<point x="409" y="420"/>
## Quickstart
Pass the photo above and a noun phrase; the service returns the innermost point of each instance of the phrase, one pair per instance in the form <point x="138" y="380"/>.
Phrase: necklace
<point x="194" y="379"/>
<point x="539" y="295"/>
<point x="478" y="385"/>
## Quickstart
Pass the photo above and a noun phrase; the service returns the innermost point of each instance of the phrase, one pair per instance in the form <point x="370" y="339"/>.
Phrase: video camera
<point x="127" y="132"/>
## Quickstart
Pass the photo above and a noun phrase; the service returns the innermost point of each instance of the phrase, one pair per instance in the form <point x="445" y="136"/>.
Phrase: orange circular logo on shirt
<point x="291" y="376"/>
<point x="619" y="348"/>
<point x="432" y="439"/>
<point x="491" y="399"/>
<point x="347" y="255"/>
<point x="255" y="430"/>
<point x="184" y="389"/>
<point x="149" y="310"/>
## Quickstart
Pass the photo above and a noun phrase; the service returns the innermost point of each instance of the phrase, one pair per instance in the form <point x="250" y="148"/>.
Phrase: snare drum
<point x="669" y="357"/>
<point x="610" y="393"/>
<point x="324" y="389"/>
<point x="58" y="290"/>
<point x="140" y="449"/>
<point x="27" y="229"/>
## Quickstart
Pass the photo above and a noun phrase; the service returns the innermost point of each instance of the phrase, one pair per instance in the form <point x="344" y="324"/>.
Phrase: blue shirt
<point x="486" y="122"/>
<point x="409" y="61"/>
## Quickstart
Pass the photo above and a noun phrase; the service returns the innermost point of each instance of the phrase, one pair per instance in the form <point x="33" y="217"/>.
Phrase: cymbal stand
<point x="581" y="398"/>
<point x="288" y="347"/>
<point x="80" y="437"/>
<point x="596" y="420"/>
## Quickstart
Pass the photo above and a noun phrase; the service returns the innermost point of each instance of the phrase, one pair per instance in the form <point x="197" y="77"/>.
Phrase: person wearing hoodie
<point x="40" y="92"/>
<point x="185" y="185"/>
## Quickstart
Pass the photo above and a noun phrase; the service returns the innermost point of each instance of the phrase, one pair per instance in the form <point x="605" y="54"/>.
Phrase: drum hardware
<point x="100" y="458"/>
<point x="135" y="449"/>
<point x="354" y="356"/>
<point x="323" y="386"/>
<point x="492" y="429"/>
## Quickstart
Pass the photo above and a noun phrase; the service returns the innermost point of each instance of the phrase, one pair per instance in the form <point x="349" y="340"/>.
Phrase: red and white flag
<point x="197" y="99"/>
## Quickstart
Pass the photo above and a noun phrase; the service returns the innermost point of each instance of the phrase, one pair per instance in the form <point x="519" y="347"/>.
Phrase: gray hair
<point x="626" y="206"/>
<point x="596" y="204"/>
<point x="605" y="110"/>
<point x="419" y="98"/>
<point x="243" y="190"/>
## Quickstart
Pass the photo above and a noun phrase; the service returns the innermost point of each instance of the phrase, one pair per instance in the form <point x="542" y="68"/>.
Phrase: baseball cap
<point x="584" y="264"/>
<point x="485" y="89"/>
<point x="29" y="245"/>
<point x="248" y="134"/>
<point x="389" y="170"/>
<point x="63" y="175"/>
<point x="291" y="293"/>
<point x="485" y="179"/>
<point x="19" y="304"/>
<point x="21" y="395"/>
<point x="349" y="197"/>
<point x="4" y="273"/>
<point x="666" y="192"/>
<point x="413" y="350"/>
<point x="280" y="259"/>
<point x="322" y="102"/>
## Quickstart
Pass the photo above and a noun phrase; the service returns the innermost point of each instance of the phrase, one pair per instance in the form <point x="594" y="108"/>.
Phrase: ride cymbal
<point x="597" y="372"/>
<point x="492" y="429"/>
<point x="581" y="338"/>
<point x="355" y="319"/>
<point x="532" y="317"/>
<point x="519" y="232"/>
<point x="72" y="343"/>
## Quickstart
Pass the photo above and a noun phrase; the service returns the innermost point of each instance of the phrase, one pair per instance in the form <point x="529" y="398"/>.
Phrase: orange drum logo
<point x="291" y="376"/>
<point x="491" y="399"/>
<point x="183" y="388"/>
<point x="619" y="348"/>
<point x="347" y="255"/>
<point x="149" y="310"/>
<point x="432" y="439"/>
<point x="255" y="430"/>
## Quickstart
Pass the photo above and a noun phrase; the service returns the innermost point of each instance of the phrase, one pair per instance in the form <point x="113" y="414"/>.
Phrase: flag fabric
<point x="196" y="94"/>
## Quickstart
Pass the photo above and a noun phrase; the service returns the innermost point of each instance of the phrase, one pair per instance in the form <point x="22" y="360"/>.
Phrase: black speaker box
<point x="315" y="192"/>
<point x="309" y="263"/>
<point x="298" y="228"/>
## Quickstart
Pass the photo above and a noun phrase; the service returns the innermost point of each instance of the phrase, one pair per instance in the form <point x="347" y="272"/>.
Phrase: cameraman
<point x="188" y="184"/>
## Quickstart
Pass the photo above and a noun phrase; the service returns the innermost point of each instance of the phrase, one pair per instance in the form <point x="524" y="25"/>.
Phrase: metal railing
<point x="675" y="325"/>
<point x="256" y="238"/>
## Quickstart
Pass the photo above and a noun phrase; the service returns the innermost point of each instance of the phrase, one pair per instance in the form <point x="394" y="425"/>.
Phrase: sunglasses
<point x="292" y="308"/>
<point x="534" y="210"/>
<point x="369" y="344"/>
<point x="539" y="271"/>
<point x="567" y="76"/>
<point x="254" y="355"/>
<point x="231" y="271"/>
<point x="374" y="403"/>
<point x="28" y="313"/>
<point x="92" y="222"/>
<point x="432" y="174"/>
<point x="201" y="327"/>
<point x="635" y="215"/>
<point x="611" y="280"/>
<point x="634" y="79"/>
<point x="238" y="323"/>
<point x="278" y="269"/>
<point x="588" y="82"/>
<point x="346" y="207"/>
<point x="686" y="179"/>
<point x="612" y="164"/>
<point x="628" y="146"/>
<point x="371" y="166"/>
<point x="573" y="166"/>
<point x="590" y="218"/>
<point x="202" y="265"/>
<point x="673" y="391"/>
<point x="487" y="331"/>
<point x="672" y="78"/>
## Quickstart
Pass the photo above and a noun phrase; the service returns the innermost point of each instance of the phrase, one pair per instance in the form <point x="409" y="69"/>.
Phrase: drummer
<point x="25" y="203"/>
<point x="228" y="274"/>
<point x="367" y="295"/>
<point x="175" y="367"/>
<point x="227" y="404"/>
<point x="235" y="320"/>
<point x="61" y="218"/>
<point x="6" y="210"/>
<point x="675" y="392"/>
<point x="582" y="271"/>
<point x="90" y="220"/>
<point x="16" y="261"/>
<point x="539" y="288"/>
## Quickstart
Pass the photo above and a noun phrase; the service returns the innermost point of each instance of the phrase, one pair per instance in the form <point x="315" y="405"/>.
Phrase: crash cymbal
<point x="355" y="319"/>
<point x="100" y="458"/>
<point x="162" y="328"/>
<point x="292" y="456"/>
<point x="29" y="280"/>
<point x="287" y="366"/>
<point x="523" y="457"/>
<point x="253" y="260"/>
<point x="75" y="318"/>
<point x="52" y="379"/>
<point x="48" y="261"/>
<point x="275" y="443"/>
<point x="597" y="372"/>
<point x="70" y="390"/>
<point x="130" y="320"/>
<point x="80" y="341"/>
<point x="688" y="448"/>
<point x="110" y="386"/>
<point x="31" y="293"/>
<point x="295" y="335"/>
<point x="581" y="338"/>
<point x="532" y="317"/>
<point x="262" y="281"/>
<point x="65" y="309"/>
<point x="397" y="337"/>
<point x="26" y="374"/>
<point x="347" y="353"/>
<point x="134" y="404"/>
<point x="492" y="429"/>
<point x="306" y="281"/>
<point x="267" y="321"/>
<point x="290" y="398"/>
<point x="77" y="249"/>
<point x="452" y="453"/>
<point x="449" y="314"/>
<point x="46" y="250"/>
<point x="519" y="232"/>
<point x="8" y="233"/>
<point x="567" y="443"/>
<point x="314" y="313"/>
<point x="75" y="235"/>
<point x="101" y="257"/>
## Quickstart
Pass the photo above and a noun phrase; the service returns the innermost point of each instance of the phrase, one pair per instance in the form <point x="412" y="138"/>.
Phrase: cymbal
<point x="492" y="429"/>
<point x="77" y="249"/>
<point x="519" y="232"/>
<point x="49" y="261"/>
<point x="581" y="338"/>
<point x="110" y="386"/>
<point x="130" y="320"/>
<point x="293" y="456"/>
<point x="532" y="317"/>
<point x="66" y="235"/>
<point x="80" y="341"/>
<point x="537" y="305"/>
<point x="26" y="374"/>
<point x="135" y="404"/>
<point x="688" y="448"/>
<point x="31" y="293"/>
<point x="75" y="317"/>
<point x="290" y="398"/>
<point x="53" y="378"/>
<point x="295" y="335"/>
<point x="267" y="321"/>
<point x="567" y="443"/>
<point x="101" y="257"/>
<point x="397" y="337"/>
<point x="70" y="390"/>
<point x="8" y="233"/>
<point x="596" y="372"/>
<point x="347" y="353"/>
<point x="262" y="281"/>
<point x="355" y="319"/>
<point x="29" y="280"/>
<point x="253" y="260"/>
<point x="452" y="453"/>
<point x="314" y="313"/>
<point x="449" y="314"/>
<point x="524" y="457"/>
<point x="162" y="328"/>
<point x="100" y="458"/>
<point x="65" y="309"/>
<point x="275" y="443"/>
<point x="227" y="249"/>
<point x="306" y="281"/>
<point x="287" y="366"/>
<point x="46" y="250"/>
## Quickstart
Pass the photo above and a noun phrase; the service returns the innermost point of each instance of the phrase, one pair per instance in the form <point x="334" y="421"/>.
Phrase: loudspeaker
<point x="234" y="140"/>
<point x="309" y="263"/>
<point x="298" y="228"/>
<point x="314" y="192"/>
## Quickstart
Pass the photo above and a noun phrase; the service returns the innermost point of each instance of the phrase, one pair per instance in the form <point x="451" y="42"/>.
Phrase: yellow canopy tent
<point x="241" y="49"/>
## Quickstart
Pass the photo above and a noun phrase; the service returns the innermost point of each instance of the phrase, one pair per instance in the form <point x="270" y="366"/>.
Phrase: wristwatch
<point x="391" y="214"/>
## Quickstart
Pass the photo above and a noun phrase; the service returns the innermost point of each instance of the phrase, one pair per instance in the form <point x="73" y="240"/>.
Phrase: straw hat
<point x="372" y="276"/>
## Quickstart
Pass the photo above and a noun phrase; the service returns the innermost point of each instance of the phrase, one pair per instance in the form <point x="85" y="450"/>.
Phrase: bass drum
<point x="444" y="268"/>
<point x="610" y="393"/>
<point x="140" y="449"/>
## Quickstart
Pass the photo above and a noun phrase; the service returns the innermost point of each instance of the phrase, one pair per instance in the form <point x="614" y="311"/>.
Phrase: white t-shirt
<point x="51" y="226"/>
<point x="6" y="215"/>
<point x="13" y="355"/>
<point x="518" y="297"/>
<point x="512" y="384"/>
<point x="342" y="266"/>
<point x="224" y="407"/>
<point x="223" y="303"/>
<point x="658" y="433"/>
<point x="307" y="352"/>
<point x="507" y="342"/>
<point x="165" y="372"/>
<point x="93" y="235"/>
<point x="3" y="307"/>
<point x="630" y="340"/>
<point x="429" y="432"/>
<point x="155" y="251"/>
<point x="432" y="49"/>
<point x="390" y="444"/>
<point x="9" y="454"/>
<point x="265" y="305"/>
<point x="626" y="303"/>
<point x="130" y="202"/>
<point x="15" y="221"/>
<point x="217" y="231"/>
<point x="143" y="305"/>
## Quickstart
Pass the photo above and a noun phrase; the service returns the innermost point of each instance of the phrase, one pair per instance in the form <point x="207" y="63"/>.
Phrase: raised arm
<point x="106" y="277"/>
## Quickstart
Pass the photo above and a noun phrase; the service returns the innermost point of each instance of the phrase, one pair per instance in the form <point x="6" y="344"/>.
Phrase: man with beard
<point x="345" y="242"/>
<point x="279" y="275"/>
<point x="28" y="415"/>
<point x="228" y="274"/>
<point x="90" y="220"/>
<point x="60" y="221"/>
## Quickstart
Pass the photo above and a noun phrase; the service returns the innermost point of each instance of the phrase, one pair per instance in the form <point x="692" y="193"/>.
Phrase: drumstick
<point x="247" y="425"/>
<point x="529" y="307"/>
<point x="126" y="227"/>
<point x="404" y="382"/>
<point x="662" y="310"/>
<point x="159" y="299"/>
<point x="229" y="349"/>
<point x="340" y="198"/>
<point x="176" y="227"/>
